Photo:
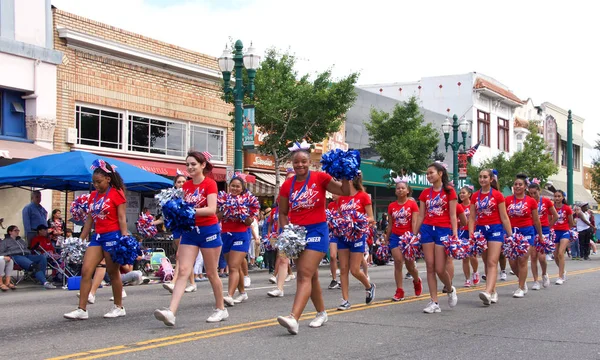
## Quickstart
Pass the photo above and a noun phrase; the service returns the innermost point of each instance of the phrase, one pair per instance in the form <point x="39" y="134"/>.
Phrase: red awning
<point x="170" y="169"/>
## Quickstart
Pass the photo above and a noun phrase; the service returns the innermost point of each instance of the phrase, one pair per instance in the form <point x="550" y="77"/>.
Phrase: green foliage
<point x="403" y="141"/>
<point x="533" y="160"/>
<point x="596" y="173"/>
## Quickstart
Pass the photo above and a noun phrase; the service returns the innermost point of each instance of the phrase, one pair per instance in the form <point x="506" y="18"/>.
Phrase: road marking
<point x="233" y="329"/>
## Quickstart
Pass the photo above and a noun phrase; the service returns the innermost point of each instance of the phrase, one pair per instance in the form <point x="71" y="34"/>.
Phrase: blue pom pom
<point x="341" y="164"/>
<point x="179" y="215"/>
<point x="126" y="250"/>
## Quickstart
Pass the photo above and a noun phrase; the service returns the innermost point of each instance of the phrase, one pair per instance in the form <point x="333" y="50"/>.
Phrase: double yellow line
<point x="233" y="329"/>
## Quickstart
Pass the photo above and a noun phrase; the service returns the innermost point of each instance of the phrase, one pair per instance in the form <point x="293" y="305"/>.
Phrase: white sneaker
<point x="49" y="285"/>
<point x="169" y="287"/>
<point x="91" y="298"/>
<point x="545" y="280"/>
<point x="565" y="276"/>
<point x="228" y="300"/>
<point x="78" y="314"/>
<point x="337" y="272"/>
<point x="218" y="315"/>
<point x="535" y="286"/>
<point x="115" y="312"/>
<point x="452" y="298"/>
<point x="526" y="289"/>
<point x="319" y="320"/>
<point x="165" y="315"/>
<point x="247" y="281"/>
<point x="494" y="298"/>
<point x="368" y="278"/>
<point x="559" y="281"/>
<point x="519" y="293"/>
<point x="503" y="276"/>
<point x="290" y="277"/>
<point x="191" y="288"/>
<point x="289" y="323"/>
<point x="123" y="296"/>
<point x="275" y="293"/>
<point x="273" y="280"/>
<point x="432" y="308"/>
<point x="240" y="298"/>
<point x="485" y="297"/>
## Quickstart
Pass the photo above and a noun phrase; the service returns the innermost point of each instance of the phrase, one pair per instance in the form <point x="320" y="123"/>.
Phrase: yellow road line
<point x="233" y="329"/>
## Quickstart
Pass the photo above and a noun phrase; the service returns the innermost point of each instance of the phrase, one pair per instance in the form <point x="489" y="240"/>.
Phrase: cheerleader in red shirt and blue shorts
<point x="561" y="228"/>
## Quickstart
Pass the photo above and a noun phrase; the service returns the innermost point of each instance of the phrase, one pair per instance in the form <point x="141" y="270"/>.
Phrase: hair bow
<point x="300" y="146"/>
<point x="99" y="163"/>
<point x="403" y="179"/>
<point x="240" y="175"/>
<point x="495" y="172"/>
<point x="443" y="164"/>
<point x="207" y="155"/>
<point x="451" y="183"/>
<point x="289" y="171"/>
<point x="536" y="181"/>
<point x="179" y="172"/>
<point x="470" y="187"/>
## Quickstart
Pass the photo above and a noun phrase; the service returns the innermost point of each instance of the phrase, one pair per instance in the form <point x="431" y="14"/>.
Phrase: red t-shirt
<point x="332" y="206"/>
<point x="103" y="209"/>
<point x="437" y="206"/>
<point x="544" y="207"/>
<point x="197" y="194"/>
<point x="306" y="203"/>
<point x="358" y="202"/>
<point x="519" y="211"/>
<point x="563" y="218"/>
<point x="401" y="216"/>
<point x="44" y="243"/>
<point x="486" y="206"/>
<point x="460" y="209"/>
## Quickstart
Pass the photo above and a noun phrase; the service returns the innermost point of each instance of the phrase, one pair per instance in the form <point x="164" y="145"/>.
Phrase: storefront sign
<point x="462" y="165"/>
<point x="550" y="136"/>
<point x="248" y="127"/>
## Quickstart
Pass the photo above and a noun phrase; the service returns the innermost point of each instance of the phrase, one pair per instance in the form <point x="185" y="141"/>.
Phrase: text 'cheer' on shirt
<point x="103" y="209"/>
<point x="307" y="199"/>
<point x="461" y="209"/>
<point x="437" y="206"/>
<point x="356" y="202"/>
<point x="519" y="211"/>
<point x="486" y="206"/>
<point x="197" y="194"/>
<point x="563" y="218"/>
<point x="401" y="216"/>
<point x="544" y="206"/>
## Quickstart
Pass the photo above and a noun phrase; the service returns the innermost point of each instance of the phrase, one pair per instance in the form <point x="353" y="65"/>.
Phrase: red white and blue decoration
<point x="383" y="253"/>
<point x="456" y="247"/>
<point x="145" y="227"/>
<point x="574" y="235"/>
<point x="341" y="164"/>
<point x="478" y="244"/>
<point x="80" y="208"/>
<point x="410" y="245"/>
<point x="515" y="246"/>
<point x="179" y="215"/>
<point x="544" y="245"/>
<point x="237" y="207"/>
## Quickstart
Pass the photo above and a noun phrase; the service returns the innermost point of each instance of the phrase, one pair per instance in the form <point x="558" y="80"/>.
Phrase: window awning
<point x="21" y="150"/>
<point x="170" y="169"/>
<point x="261" y="188"/>
<point x="268" y="178"/>
<point x="577" y="140"/>
<point x="580" y="193"/>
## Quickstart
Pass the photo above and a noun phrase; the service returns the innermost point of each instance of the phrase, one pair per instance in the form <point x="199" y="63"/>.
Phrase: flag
<point x="473" y="149"/>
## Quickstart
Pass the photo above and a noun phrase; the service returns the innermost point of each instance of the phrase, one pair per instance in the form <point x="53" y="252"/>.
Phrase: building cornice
<point x="95" y="45"/>
<point x="563" y="112"/>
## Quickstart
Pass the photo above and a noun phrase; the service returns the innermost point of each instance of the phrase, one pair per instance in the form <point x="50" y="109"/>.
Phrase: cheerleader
<point x="523" y="214"/>
<point x="107" y="206"/>
<point x="351" y="251"/>
<point x="400" y="213"/>
<point x="333" y="247"/>
<point x="488" y="216"/>
<point x="471" y="262"/>
<point x="236" y="243"/>
<point x="437" y="220"/>
<point x="302" y="202"/>
<point x="201" y="191"/>
<point x="548" y="216"/>
<point x="564" y="222"/>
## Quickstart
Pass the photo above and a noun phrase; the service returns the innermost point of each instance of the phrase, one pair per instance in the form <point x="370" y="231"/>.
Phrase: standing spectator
<point x="56" y="226"/>
<point x="34" y="215"/>
<point x="383" y="223"/>
<point x="585" y="230"/>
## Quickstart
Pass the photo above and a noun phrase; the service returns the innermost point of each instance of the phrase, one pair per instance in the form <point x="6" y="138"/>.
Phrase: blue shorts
<point x="317" y="237"/>
<point x="107" y="240"/>
<point x="528" y="233"/>
<point x="430" y="233"/>
<point x="562" y="234"/>
<point x="357" y="246"/>
<point x="334" y="240"/>
<point x="463" y="234"/>
<point x="176" y="235"/>
<point x="545" y="231"/>
<point x="394" y="241"/>
<point x="493" y="232"/>
<point x="235" y="241"/>
<point x="205" y="237"/>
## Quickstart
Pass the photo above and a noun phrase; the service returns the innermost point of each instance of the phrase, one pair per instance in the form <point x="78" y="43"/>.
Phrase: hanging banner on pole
<point x="248" y="127"/>
<point x="462" y="165"/>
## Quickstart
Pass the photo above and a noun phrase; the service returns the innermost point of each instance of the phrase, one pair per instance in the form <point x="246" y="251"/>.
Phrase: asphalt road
<point x="556" y="323"/>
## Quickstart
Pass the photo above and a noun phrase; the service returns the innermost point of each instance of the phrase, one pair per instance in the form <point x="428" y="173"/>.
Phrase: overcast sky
<point x="544" y="50"/>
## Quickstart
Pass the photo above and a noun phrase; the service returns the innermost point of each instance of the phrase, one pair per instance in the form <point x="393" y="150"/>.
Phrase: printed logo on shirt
<point x="562" y="217"/>
<point x="197" y="198"/>
<point x="307" y="200"/>
<point x="353" y="204"/>
<point x="435" y="206"/>
<point x="313" y="239"/>
<point x="401" y="217"/>
<point x="100" y="213"/>
<point x="211" y="238"/>
<point x="518" y="209"/>
<point x="485" y="206"/>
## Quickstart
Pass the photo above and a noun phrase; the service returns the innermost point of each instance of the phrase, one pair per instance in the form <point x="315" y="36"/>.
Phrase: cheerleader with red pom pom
<point x="488" y="216"/>
<point x="437" y="221"/>
<point x="107" y="213"/>
<point x="563" y="224"/>
<point x="403" y="215"/>
<point x="523" y="214"/>
<point x="548" y="216"/>
<point x="471" y="278"/>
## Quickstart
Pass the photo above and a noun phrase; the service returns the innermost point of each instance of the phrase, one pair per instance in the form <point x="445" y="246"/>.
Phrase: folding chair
<point x="20" y="274"/>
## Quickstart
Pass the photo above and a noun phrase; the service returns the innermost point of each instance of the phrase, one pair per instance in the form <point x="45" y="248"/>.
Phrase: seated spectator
<point x="6" y="268"/>
<point x="41" y="240"/>
<point x="14" y="248"/>
<point x="128" y="277"/>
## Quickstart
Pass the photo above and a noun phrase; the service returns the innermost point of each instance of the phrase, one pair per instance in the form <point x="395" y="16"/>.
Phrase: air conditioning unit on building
<point x="71" y="135"/>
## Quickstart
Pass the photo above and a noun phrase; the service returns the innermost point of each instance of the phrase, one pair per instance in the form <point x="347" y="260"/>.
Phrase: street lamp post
<point x="455" y="145"/>
<point x="227" y="62"/>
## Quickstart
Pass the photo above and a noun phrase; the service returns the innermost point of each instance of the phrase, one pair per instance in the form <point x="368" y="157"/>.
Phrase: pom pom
<point x="126" y="250"/>
<point x="238" y="207"/>
<point x="80" y="208"/>
<point x="383" y="253"/>
<point x="515" y="246"/>
<point x="179" y="215"/>
<point x="574" y="235"/>
<point x="553" y="236"/>
<point x="341" y="164"/>
<point x="354" y="225"/>
<point x="544" y="245"/>
<point x="269" y="243"/>
<point x="145" y="227"/>
<point x="73" y="250"/>
<point x="410" y="245"/>
<point x="334" y="219"/>
<point x="292" y="240"/>
<point x="478" y="243"/>
<point x="456" y="247"/>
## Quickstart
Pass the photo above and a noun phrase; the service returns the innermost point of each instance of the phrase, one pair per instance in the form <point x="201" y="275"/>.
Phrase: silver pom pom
<point x="292" y="240"/>
<point x="168" y="194"/>
<point x="73" y="250"/>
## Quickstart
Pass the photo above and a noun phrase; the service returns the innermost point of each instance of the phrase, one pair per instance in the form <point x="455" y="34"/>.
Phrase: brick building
<point x="140" y="100"/>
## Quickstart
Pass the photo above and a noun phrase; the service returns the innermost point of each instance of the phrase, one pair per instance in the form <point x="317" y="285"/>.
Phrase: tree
<point x="500" y="163"/>
<point x="401" y="138"/>
<point x="596" y="173"/>
<point x="288" y="108"/>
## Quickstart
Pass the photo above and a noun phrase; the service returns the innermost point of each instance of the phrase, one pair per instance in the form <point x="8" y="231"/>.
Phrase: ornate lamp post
<point x="227" y="62"/>
<point x="455" y="126"/>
